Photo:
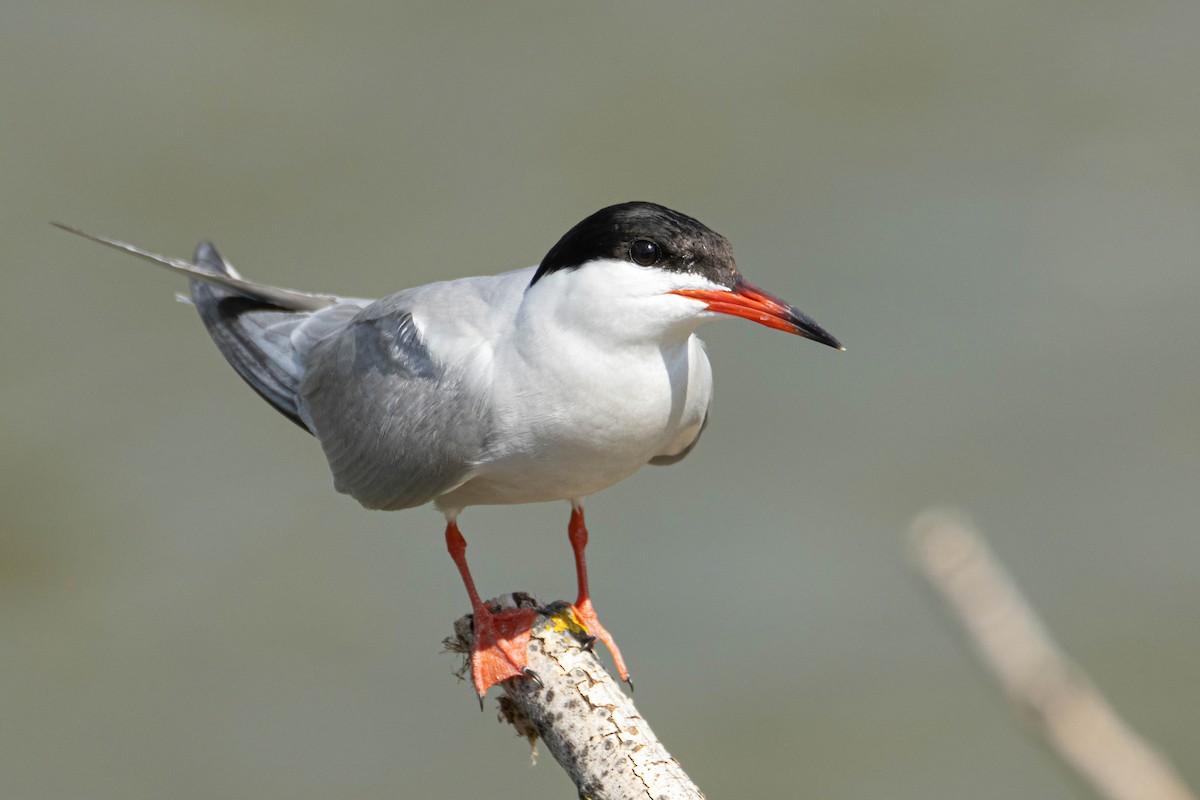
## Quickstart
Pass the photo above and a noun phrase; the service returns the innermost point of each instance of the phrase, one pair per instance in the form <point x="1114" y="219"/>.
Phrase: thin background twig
<point x="1051" y="692"/>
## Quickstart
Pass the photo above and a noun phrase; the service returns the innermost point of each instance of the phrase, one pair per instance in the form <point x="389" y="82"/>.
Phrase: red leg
<point x="500" y="639"/>
<point x="577" y="532"/>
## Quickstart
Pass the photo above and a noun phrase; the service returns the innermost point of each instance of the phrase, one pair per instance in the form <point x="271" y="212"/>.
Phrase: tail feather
<point x="223" y="277"/>
<point x="252" y="323"/>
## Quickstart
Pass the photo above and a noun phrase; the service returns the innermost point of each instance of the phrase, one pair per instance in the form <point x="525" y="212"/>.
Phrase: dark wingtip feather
<point x="226" y="315"/>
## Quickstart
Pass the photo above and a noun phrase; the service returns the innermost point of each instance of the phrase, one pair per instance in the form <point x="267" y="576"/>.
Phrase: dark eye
<point x="644" y="252"/>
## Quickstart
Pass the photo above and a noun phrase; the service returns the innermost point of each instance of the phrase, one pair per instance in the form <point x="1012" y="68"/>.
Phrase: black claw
<point x="589" y="643"/>
<point x="481" y="702"/>
<point x="533" y="676"/>
<point x="630" y="682"/>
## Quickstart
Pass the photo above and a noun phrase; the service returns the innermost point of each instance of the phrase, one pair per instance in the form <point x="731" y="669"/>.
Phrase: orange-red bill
<point x="750" y="302"/>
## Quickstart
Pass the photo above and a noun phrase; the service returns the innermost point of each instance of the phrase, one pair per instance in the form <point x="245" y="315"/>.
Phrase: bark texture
<point x="589" y="724"/>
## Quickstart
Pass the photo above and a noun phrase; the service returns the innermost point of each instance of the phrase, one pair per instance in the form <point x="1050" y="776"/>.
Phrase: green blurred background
<point x="995" y="205"/>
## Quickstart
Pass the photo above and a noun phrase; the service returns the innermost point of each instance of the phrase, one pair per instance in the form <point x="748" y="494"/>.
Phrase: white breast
<point x="582" y="401"/>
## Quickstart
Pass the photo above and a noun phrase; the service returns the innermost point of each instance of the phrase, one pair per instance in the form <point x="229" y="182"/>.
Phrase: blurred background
<point x="995" y="206"/>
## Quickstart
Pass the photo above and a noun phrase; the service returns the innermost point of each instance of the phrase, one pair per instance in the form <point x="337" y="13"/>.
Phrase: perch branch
<point x="588" y="723"/>
<point x="1054" y="694"/>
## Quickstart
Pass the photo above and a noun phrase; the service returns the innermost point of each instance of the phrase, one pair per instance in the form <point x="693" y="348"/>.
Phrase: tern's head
<point x="646" y="252"/>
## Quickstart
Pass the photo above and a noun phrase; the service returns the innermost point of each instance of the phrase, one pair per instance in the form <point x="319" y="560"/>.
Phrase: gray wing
<point x="666" y="461"/>
<point x="263" y="341"/>
<point x="397" y="427"/>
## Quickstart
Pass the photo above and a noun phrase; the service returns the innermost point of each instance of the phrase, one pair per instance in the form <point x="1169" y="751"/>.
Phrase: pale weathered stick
<point x="588" y="723"/>
<point x="1038" y="678"/>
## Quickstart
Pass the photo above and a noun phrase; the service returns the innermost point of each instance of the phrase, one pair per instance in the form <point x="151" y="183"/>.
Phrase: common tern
<point x="546" y="383"/>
